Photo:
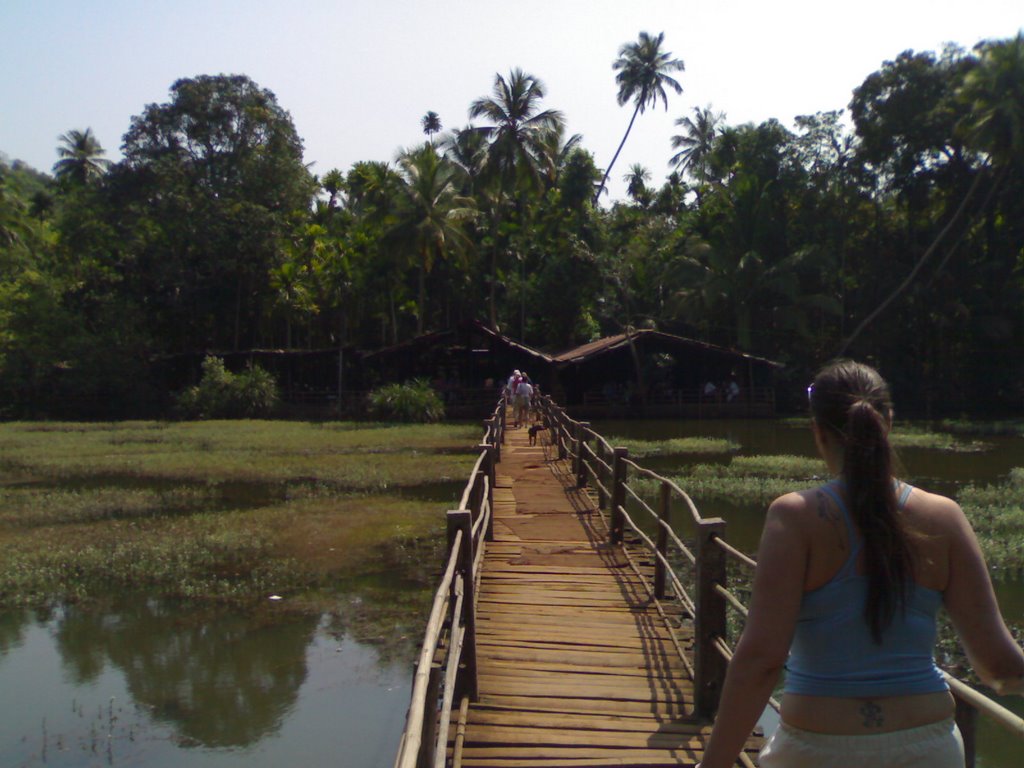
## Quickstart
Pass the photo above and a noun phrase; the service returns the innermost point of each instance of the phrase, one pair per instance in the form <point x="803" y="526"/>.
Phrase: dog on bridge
<point x="536" y="429"/>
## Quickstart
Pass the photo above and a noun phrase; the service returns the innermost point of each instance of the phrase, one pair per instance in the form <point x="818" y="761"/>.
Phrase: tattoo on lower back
<point x="872" y="715"/>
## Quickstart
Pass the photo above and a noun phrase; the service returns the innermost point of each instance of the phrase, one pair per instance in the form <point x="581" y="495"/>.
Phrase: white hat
<point x="516" y="372"/>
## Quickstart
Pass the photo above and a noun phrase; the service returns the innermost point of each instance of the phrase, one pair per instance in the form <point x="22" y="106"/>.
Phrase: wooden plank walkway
<point x="577" y="666"/>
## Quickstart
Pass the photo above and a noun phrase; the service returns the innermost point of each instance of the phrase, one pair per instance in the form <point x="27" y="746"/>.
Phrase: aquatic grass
<point x="753" y="480"/>
<point x="944" y="438"/>
<point x="674" y="447"/>
<point x="905" y="436"/>
<point x="239" y="451"/>
<point x="996" y="512"/>
<point x="225" y="511"/>
<point x="30" y="506"/>
<point x="1006" y="427"/>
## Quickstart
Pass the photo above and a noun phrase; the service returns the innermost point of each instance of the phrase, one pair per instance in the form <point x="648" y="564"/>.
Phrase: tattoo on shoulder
<point x="823" y="509"/>
<point x="872" y="714"/>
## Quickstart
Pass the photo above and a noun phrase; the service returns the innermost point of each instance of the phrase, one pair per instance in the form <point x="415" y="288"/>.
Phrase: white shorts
<point x="937" y="745"/>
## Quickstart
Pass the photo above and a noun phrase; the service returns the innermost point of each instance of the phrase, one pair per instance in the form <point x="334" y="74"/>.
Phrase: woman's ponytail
<point x="851" y="400"/>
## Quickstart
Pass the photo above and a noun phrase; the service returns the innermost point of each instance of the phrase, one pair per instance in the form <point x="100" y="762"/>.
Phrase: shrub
<point x="221" y="394"/>
<point x="412" y="402"/>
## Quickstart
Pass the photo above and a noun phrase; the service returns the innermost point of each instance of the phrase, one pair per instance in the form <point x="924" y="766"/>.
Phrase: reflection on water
<point x="162" y="685"/>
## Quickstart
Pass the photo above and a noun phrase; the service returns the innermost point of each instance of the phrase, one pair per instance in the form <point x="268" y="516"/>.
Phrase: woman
<point x="849" y="579"/>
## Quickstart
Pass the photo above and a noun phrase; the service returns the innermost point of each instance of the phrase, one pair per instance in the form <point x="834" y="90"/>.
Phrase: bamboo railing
<point x="695" y="576"/>
<point x="446" y="671"/>
<point x="608" y="470"/>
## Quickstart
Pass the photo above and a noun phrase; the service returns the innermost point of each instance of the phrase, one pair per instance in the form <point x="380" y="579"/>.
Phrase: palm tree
<point x="636" y="181"/>
<point x="518" y="127"/>
<point x="643" y="74"/>
<point x="695" y="143"/>
<point x="516" y="139"/>
<point x="432" y="217"/>
<point x="553" y="152"/>
<point x="431" y="124"/>
<point x="81" y="157"/>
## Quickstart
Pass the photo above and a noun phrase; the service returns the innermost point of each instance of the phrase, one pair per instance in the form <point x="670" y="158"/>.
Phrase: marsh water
<point x="148" y="683"/>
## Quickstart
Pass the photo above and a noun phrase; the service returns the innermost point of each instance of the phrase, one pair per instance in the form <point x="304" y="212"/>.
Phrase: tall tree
<point x="430" y="222"/>
<point x="81" y="157"/>
<point x="211" y="178"/>
<point x="517" y="127"/>
<point x="431" y="124"/>
<point x="695" y="142"/>
<point x="516" y="133"/>
<point x="636" y="184"/>
<point x="643" y="74"/>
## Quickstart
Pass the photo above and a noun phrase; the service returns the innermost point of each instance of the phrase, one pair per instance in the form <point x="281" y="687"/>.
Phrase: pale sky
<point x="357" y="76"/>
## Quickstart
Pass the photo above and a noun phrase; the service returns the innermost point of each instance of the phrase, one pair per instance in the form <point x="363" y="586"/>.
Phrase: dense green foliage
<point x="221" y="394"/>
<point x="899" y="240"/>
<point x="414" y="402"/>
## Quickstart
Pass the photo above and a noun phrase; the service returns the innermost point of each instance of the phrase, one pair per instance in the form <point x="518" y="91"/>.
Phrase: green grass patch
<point x="227" y="511"/>
<point x="679" y="446"/>
<point x="753" y="480"/>
<point x="996" y="512"/>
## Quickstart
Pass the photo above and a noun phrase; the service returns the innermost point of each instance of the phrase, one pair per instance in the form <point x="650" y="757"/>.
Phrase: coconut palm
<point x="554" y="150"/>
<point x="431" y="124"/>
<point x="518" y="126"/>
<point x="515" y="143"/>
<point x="432" y="216"/>
<point x="695" y="143"/>
<point x="636" y="181"/>
<point x="643" y="74"/>
<point x="81" y="157"/>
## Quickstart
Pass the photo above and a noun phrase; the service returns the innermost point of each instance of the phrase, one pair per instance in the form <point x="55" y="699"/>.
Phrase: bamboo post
<point x="604" y="479"/>
<point x="562" y="432"/>
<point x="501" y="415"/>
<point x="665" y="520"/>
<point x="427" y="744"/>
<point x="493" y="425"/>
<point x="581" y="465"/>
<point x="967" y="721"/>
<point x="709" y="665"/>
<point x="491" y="462"/>
<point x="461" y="519"/>
<point x="618" y="521"/>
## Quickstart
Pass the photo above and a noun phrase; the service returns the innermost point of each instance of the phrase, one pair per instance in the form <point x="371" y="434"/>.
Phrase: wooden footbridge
<point x="567" y="633"/>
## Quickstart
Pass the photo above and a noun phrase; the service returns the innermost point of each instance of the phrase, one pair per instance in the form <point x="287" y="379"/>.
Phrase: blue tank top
<point x="833" y="652"/>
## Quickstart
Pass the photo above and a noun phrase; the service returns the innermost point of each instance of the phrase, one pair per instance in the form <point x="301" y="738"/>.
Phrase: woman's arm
<point x="764" y="645"/>
<point x="971" y="603"/>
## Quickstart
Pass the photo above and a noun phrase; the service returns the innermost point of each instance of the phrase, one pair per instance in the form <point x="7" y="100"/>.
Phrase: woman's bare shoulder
<point x="933" y="510"/>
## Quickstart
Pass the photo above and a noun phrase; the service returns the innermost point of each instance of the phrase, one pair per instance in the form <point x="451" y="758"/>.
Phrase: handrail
<point x="712" y="594"/>
<point x="450" y="638"/>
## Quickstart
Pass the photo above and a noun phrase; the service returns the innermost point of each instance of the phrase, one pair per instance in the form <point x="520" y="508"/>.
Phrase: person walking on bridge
<point x="850" y="577"/>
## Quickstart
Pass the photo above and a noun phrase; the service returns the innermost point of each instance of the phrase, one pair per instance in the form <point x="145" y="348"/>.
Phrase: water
<point x="147" y="683"/>
<point x="165" y="685"/>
